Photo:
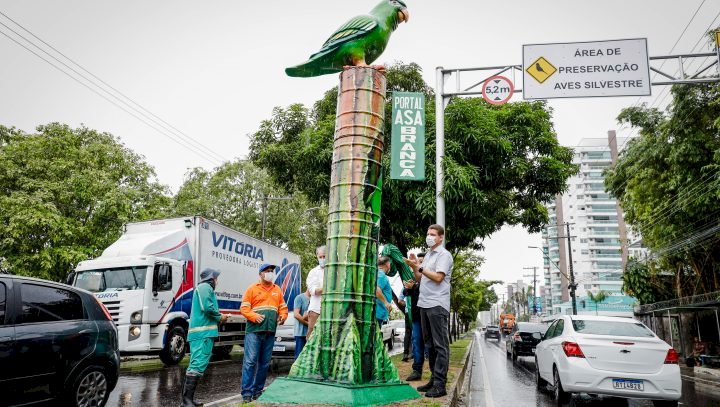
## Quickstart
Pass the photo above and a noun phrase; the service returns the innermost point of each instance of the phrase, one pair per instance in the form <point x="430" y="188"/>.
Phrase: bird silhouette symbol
<point x="539" y="68"/>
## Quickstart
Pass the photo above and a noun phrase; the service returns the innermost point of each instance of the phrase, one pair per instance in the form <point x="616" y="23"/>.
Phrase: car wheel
<point x="561" y="396"/>
<point x="540" y="383"/>
<point x="90" y="388"/>
<point x="665" y="403"/>
<point x="174" y="349"/>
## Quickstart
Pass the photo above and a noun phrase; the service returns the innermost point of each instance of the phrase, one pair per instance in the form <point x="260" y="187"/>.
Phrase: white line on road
<point x="489" y="401"/>
<point x="222" y="401"/>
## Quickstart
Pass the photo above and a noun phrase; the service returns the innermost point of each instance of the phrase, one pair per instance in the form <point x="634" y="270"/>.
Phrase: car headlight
<point x="136" y="317"/>
<point x="134" y="331"/>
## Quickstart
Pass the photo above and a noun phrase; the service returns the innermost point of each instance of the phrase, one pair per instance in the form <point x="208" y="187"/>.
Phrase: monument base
<point x="285" y="390"/>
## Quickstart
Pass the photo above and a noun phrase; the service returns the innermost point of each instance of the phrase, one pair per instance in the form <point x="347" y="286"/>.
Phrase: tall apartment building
<point x="597" y="229"/>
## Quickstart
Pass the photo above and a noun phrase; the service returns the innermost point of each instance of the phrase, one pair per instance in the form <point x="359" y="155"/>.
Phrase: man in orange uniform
<point x="264" y="307"/>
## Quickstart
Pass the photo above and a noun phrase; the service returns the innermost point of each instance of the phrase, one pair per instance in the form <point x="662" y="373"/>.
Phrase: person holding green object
<point x="204" y="319"/>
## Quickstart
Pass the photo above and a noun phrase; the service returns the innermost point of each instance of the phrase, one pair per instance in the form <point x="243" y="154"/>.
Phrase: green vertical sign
<point x="408" y="136"/>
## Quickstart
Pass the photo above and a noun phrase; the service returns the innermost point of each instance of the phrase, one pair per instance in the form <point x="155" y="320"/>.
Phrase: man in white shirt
<point x="314" y="284"/>
<point x="434" y="303"/>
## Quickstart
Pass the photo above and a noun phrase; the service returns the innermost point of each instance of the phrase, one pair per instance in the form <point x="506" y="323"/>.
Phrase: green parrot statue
<point x="358" y="42"/>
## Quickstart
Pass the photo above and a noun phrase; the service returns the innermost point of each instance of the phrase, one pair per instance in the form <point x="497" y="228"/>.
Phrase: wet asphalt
<point x="163" y="387"/>
<point x="513" y="384"/>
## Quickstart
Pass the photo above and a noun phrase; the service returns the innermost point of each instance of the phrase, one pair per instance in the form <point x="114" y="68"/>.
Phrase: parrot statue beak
<point x="404" y="15"/>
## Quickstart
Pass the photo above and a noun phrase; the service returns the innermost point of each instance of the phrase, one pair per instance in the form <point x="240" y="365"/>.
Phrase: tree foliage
<point x="469" y="295"/>
<point x="667" y="181"/>
<point x="501" y="164"/>
<point x="645" y="283"/>
<point x="65" y="194"/>
<point x="234" y="193"/>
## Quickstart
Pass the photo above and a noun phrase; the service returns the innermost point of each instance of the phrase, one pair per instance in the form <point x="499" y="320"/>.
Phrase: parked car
<point x="523" y="339"/>
<point x="492" y="331"/>
<point x="610" y="356"/>
<point x="398" y="325"/>
<point x="284" y="347"/>
<point x="57" y="343"/>
<point x="388" y="334"/>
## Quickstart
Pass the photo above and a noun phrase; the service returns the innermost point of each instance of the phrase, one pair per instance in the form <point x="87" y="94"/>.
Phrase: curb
<point x="459" y="383"/>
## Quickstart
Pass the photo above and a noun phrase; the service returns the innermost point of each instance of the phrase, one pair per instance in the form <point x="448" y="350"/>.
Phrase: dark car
<point x="56" y="343"/>
<point x="492" y="331"/>
<point x="523" y="339"/>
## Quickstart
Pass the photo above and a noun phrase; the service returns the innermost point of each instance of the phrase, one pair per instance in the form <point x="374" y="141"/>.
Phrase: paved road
<point x="164" y="387"/>
<point x="513" y="384"/>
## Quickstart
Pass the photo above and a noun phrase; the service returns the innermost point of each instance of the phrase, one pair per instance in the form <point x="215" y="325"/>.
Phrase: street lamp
<point x="264" y="209"/>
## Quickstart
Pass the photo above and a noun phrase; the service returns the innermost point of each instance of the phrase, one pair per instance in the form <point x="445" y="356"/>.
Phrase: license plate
<point x="627" y="384"/>
<point x="278" y="349"/>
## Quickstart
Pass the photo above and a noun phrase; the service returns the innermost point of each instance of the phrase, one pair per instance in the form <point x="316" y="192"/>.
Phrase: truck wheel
<point x="89" y="388"/>
<point x="174" y="349"/>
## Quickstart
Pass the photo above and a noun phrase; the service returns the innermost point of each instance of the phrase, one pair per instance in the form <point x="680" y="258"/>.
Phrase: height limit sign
<point x="497" y="90"/>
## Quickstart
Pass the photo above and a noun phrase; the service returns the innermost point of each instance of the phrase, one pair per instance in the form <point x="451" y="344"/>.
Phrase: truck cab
<point x="140" y="294"/>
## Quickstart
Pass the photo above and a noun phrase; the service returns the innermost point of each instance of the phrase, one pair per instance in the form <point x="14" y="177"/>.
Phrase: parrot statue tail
<point x="320" y="63"/>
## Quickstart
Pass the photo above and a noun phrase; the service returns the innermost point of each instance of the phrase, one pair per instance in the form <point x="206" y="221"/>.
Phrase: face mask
<point x="269" y="276"/>
<point x="430" y="241"/>
<point x="321" y="262"/>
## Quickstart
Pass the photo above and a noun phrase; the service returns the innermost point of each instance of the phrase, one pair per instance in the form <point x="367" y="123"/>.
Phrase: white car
<point x="610" y="356"/>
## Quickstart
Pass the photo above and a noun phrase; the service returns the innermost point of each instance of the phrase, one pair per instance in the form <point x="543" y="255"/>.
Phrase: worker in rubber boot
<point x="204" y="319"/>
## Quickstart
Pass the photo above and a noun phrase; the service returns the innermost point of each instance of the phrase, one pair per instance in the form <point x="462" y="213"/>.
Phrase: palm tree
<point x="598" y="297"/>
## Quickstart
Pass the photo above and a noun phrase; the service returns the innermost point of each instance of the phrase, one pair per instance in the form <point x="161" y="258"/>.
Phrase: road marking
<point x="221" y="401"/>
<point x="489" y="401"/>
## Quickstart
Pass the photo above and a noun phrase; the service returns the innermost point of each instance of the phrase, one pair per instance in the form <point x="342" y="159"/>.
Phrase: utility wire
<point x="163" y="127"/>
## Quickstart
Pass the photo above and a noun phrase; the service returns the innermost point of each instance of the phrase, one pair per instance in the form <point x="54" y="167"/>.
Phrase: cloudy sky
<point x="213" y="70"/>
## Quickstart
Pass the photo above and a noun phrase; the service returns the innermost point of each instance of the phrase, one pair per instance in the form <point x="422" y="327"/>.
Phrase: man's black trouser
<point x="437" y="342"/>
<point x="407" y="341"/>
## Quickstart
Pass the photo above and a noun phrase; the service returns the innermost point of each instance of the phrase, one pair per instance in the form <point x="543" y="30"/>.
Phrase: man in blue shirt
<point x="383" y="291"/>
<point x="300" y="305"/>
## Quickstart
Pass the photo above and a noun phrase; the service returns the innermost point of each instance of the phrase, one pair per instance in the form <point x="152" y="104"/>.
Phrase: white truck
<point x="147" y="277"/>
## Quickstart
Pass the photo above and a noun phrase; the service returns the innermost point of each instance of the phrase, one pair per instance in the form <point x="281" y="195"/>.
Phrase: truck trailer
<point x="146" y="280"/>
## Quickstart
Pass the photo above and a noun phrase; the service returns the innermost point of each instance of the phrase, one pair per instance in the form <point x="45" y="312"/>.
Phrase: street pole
<point x="572" y="275"/>
<point x="534" y="296"/>
<point x="439" y="146"/>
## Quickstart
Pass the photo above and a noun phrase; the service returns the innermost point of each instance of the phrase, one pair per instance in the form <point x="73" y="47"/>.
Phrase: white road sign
<point x="497" y="90"/>
<point x="586" y="69"/>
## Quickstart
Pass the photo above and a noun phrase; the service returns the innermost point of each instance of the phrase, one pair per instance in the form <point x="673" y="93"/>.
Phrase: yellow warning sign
<point x="717" y="39"/>
<point x="541" y="69"/>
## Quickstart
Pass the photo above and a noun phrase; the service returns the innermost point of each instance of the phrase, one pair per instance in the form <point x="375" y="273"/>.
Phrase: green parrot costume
<point x="358" y="42"/>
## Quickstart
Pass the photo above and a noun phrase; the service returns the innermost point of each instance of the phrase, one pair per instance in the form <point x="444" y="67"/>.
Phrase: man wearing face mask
<point x="315" y="287"/>
<point x="434" y="303"/>
<point x="264" y="308"/>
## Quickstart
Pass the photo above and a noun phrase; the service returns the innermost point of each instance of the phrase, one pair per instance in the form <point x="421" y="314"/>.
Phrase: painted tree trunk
<point x="346" y="347"/>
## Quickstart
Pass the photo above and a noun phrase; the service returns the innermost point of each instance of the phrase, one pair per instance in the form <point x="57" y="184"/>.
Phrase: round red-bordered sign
<point x="497" y="90"/>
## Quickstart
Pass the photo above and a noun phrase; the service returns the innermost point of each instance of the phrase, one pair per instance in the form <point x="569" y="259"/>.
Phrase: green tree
<point x="65" y="194"/>
<point x="234" y="194"/>
<point x="468" y="294"/>
<point x="646" y="283"/>
<point x="598" y="297"/>
<point x="667" y="182"/>
<point x="502" y="163"/>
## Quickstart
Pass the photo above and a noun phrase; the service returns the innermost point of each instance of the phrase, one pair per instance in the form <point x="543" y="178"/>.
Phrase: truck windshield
<point x="115" y="279"/>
